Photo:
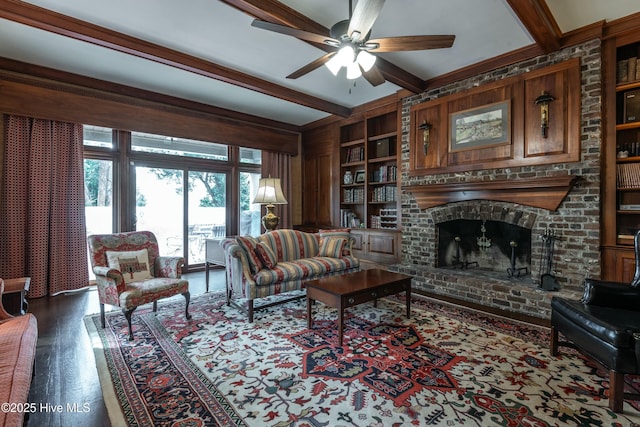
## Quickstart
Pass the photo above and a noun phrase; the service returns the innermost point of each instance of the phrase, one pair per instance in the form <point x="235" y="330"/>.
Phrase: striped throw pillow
<point x="248" y="244"/>
<point x="332" y="247"/>
<point x="266" y="255"/>
<point x="345" y="233"/>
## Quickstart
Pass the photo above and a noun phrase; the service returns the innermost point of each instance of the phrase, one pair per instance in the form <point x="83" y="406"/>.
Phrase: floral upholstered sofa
<point x="281" y="261"/>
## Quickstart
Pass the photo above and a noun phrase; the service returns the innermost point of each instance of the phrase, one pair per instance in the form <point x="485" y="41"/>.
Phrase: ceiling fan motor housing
<point x="340" y="29"/>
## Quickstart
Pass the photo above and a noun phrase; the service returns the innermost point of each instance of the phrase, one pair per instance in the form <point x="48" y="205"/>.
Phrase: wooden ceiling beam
<point x="57" y="23"/>
<point x="538" y="20"/>
<point x="278" y="13"/>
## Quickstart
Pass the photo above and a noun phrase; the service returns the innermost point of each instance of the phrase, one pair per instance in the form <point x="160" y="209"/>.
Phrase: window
<point x="177" y="188"/>
<point x="96" y="136"/>
<point x="149" y="143"/>
<point x="250" y="155"/>
<point x="249" y="212"/>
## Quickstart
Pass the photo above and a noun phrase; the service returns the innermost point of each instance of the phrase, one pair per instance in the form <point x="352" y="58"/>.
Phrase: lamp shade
<point x="270" y="192"/>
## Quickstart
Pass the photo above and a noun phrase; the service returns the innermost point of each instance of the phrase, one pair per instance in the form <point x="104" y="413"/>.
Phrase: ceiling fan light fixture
<point x="346" y="55"/>
<point x="353" y="71"/>
<point x="334" y="65"/>
<point x="366" y="60"/>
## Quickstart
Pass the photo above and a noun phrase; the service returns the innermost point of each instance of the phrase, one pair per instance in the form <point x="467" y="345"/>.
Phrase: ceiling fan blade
<point x="364" y="15"/>
<point x="311" y="66"/>
<point x="294" y="32"/>
<point x="373" y="76"/>
<point x="403" y="43"/>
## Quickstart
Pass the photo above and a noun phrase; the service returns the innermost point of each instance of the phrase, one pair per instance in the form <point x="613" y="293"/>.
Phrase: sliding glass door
<point x="98" y="198"/>
<point x="206" y="211"/>
<point x="249" y="212"/>
<point x="159" y="206"/>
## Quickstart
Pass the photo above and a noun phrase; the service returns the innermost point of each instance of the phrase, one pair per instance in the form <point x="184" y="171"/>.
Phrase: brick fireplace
<point x="575" y="219"/>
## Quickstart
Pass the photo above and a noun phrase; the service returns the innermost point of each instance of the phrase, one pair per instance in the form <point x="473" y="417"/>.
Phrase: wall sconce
<point x="425" y="128"/>
<point x="543" y="101"/>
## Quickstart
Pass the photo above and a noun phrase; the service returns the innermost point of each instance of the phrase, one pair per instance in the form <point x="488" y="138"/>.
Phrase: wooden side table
<point x="14" y="298"/>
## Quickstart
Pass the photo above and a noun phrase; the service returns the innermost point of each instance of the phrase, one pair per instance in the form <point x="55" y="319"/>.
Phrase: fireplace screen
<point x="486" y="245"/>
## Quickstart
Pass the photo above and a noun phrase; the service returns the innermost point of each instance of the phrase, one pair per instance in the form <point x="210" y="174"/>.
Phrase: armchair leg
<point x="250" y="310"/>
<point x="229" y="291"/>
<point x="554" y="341"/>
<point x="616" y="391"/>
<point x="155" y="306"/>
<point x="187" y="297"/>
<point x="127" y="315"/>
<point x="102" y="320"/>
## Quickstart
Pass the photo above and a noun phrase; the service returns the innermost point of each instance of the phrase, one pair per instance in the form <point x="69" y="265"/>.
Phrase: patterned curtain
<point x="42" y="220"/>
<point x="278" y="165"/>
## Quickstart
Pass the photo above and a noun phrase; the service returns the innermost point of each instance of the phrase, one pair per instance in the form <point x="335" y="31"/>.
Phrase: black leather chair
<point x="604" y="325"/>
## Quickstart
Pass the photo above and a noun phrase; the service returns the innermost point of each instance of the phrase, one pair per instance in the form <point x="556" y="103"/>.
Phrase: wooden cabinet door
<point x="625" y="267"/>
<point x="383" y="246"/>
<point x="358" y="240"/>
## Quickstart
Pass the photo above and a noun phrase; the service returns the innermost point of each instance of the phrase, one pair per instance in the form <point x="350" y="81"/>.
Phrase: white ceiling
<point x="216" y="32"/>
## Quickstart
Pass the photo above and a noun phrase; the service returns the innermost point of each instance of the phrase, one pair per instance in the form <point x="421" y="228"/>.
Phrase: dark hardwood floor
<point x="65" y="368"/>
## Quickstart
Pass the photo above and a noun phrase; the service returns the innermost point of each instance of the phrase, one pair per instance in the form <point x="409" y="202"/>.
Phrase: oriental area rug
<point x="445" y="366"/>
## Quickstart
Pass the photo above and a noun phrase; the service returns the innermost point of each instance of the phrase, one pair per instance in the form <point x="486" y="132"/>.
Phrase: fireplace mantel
<point x="545" y="192"/>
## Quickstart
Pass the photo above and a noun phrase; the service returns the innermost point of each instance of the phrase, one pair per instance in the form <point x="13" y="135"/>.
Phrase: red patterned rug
<point x="446" y="366"/>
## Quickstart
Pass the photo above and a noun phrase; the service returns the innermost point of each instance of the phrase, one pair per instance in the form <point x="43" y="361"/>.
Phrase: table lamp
<point x="270" y="193"/>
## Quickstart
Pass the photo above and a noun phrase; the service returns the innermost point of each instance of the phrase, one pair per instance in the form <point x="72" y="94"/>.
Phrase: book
<point x="623" y="71"/>
<point x="631" y="65"/>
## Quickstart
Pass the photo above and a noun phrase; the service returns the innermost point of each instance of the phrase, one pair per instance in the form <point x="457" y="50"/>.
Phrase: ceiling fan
<point x="353" y="47"/>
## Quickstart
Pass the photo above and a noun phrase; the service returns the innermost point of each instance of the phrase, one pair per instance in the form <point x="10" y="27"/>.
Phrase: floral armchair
<point x="129" y="272"/>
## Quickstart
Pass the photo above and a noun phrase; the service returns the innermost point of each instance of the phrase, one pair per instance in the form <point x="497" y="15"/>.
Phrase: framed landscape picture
<point x="480" y="127"/>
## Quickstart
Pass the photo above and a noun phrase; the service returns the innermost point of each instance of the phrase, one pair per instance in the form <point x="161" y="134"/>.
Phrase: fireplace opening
<point x="486" y="246"/>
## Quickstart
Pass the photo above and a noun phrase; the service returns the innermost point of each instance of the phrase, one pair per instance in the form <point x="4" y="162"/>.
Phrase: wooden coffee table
<point x="351" y="289"/>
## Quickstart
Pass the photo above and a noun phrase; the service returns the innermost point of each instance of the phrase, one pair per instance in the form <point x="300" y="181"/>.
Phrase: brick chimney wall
<point x="576" y="222"/>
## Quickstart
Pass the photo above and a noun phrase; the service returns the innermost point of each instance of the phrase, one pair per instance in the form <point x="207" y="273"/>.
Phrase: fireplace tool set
<point x="457" y="262"/>
<point x="548" y="281"/>
<point x="513" y="270"/>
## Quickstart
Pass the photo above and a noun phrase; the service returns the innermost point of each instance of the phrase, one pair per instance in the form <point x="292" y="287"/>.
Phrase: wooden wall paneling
<point x="555" y="142"/>
<point x="295" y="200"/>
<point x="121" y="112"/>
<point x="608" y="153"/>
<point x="435" y="156"/>
<point x="320" y="169"/>
<point x="486" y="97"/>
<point x="309" y="190"/>
<point x="562" y="81"/>
<point x="527" y="146"/>
<point x="326" y="186"/>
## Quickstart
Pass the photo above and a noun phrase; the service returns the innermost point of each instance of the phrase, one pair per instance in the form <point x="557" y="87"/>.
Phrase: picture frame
<point x="480" y="127"/>
<point x="359" y="177"/>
